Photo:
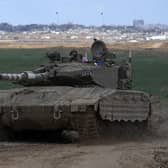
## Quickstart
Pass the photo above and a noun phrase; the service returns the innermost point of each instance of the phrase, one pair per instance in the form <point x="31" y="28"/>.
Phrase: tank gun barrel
<point x="25" y="76"/>
<point x="9" y="76"/>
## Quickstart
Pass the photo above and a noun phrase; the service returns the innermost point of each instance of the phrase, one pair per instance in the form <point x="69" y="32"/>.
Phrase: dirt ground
<point x="149" y="150"/>
<point x="115" y="45"/>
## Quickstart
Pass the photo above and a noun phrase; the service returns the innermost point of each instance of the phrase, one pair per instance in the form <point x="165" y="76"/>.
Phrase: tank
<point x="77" y="94"/>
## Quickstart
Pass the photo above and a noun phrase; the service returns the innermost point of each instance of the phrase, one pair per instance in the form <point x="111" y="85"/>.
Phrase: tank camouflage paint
<point x="74" y="95"/>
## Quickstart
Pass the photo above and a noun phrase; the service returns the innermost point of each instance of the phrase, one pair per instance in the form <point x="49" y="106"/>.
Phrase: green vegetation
<point x="150" y="67"/>
<point x="151" y="71"/>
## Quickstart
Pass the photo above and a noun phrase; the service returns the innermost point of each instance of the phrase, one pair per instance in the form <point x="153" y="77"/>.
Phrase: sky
<point x="87" y="12"/>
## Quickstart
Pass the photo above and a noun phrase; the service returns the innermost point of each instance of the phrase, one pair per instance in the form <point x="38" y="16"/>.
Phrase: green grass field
<point x="150" y="67"/>
<point x="151" y="72"/>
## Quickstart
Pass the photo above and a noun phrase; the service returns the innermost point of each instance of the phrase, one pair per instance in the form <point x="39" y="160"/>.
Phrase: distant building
<point x="159" y="37"/>
<point x="138" y="23"/>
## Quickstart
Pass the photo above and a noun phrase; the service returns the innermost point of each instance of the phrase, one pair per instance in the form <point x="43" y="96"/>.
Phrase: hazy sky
<point x="83" y="11"/>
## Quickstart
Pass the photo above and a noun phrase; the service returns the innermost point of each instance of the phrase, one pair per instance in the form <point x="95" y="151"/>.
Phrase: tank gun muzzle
<point x="9" y="76"/>
<point x="25" y="76"/>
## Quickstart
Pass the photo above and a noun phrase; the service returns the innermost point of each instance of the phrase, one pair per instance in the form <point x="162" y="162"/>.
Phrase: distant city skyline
<point x="95" y="12"/>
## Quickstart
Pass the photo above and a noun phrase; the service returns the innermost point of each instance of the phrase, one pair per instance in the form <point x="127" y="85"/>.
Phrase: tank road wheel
<point x="86" y="125"/>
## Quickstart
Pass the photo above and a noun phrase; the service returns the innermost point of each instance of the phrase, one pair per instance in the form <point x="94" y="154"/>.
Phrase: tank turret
<point x="101" y="71"/>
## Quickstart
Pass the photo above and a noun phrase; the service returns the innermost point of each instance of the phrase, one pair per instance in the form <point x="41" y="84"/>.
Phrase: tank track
<point x="86" y="125"/>
<point x="90" y="127"/>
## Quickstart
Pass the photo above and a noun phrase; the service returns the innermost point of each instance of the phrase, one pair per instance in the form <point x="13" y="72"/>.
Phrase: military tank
<point x="77" y="94"/>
